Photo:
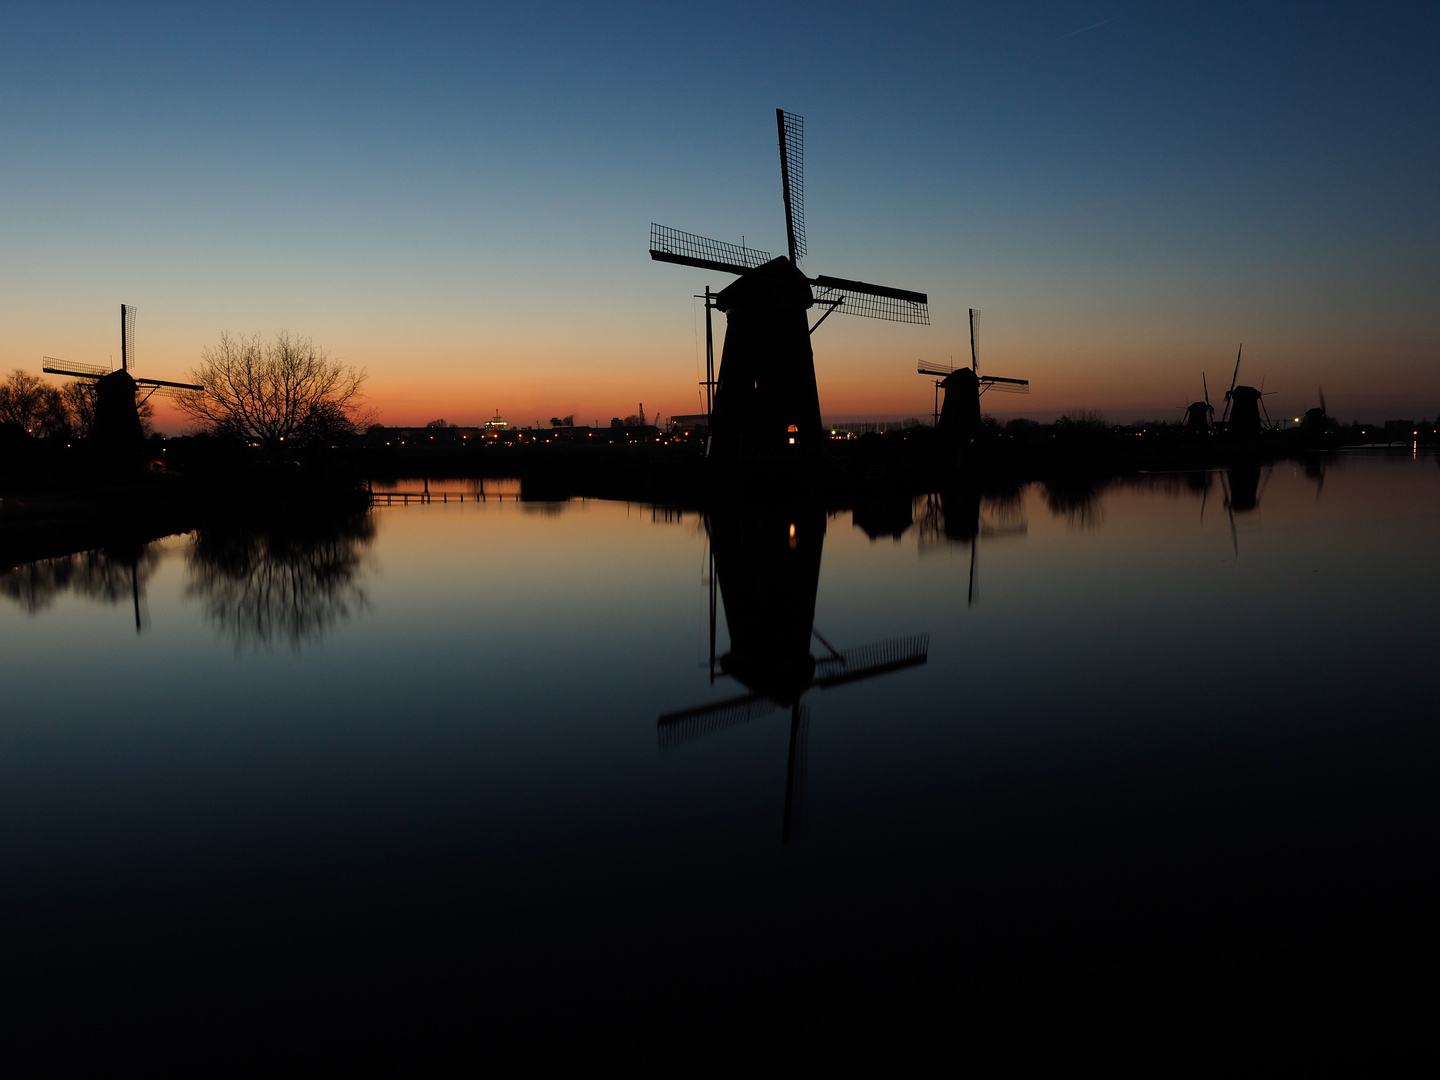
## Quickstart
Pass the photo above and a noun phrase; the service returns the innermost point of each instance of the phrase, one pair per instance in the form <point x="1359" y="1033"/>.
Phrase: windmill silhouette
<point x="767" y="566"/>
<point x="117" y="417"/>
<point x="1318" y="429"/>
<point x="958" y="419"/>
<point x="765" y="401"/>
<point x="1243" y="405"/>
<point x="1199" y="415"/>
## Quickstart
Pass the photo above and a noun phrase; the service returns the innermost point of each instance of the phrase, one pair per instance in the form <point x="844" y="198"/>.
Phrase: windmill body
<point x="117" y="416"/>
<point x="1198" y="417"/>
<point x="1245" y="411"/>
<point x="766" y="399"/>
<point x="766" y="402"/>
<point x="960" y="407"/>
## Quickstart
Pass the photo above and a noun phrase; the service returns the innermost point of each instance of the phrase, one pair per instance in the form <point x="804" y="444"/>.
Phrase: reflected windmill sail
<point x="767" y="563"/>
<point x="259" y="586"/>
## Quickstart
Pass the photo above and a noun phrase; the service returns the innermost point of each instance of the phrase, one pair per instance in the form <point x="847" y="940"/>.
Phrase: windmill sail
<point x="678" y="728"/>
<point x="52" y="366"/>
<point x="127" y="336"/>
<point x="1005" y="386"/>
<point x="873" y="301"/>
<point x="688" y="249"/>
<point x="867" y="661"/>
<point x="792" y="178"/>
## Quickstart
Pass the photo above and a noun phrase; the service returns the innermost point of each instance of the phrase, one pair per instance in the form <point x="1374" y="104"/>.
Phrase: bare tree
<point x="27" y="401"/>
<point x="79" y="400"/>
<point x="283" y="390"/>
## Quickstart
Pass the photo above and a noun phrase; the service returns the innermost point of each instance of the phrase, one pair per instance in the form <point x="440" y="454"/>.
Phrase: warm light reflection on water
<point x="1156" y="722"/>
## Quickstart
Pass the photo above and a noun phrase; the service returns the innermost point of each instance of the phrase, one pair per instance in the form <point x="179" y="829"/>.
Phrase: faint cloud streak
<point x="1085" y="29"/>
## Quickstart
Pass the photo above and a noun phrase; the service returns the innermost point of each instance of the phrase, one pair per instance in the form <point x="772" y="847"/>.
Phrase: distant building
<point x="417" y="436"/>
<point x="694" y="425"/>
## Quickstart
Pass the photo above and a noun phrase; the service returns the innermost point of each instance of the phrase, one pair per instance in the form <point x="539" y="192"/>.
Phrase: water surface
<point x="1179" y="728"/>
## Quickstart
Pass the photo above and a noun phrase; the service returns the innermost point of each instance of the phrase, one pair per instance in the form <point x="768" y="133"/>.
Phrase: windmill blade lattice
<point x="127" y="336"/>
<point x="688" y="249"/>
<point x="53" y="366"/>
<point x="867" y="661"/>
<point x="792" y="178"/>
<point x="873" y="301"/>
<point x="678" y="728"/>
<point x="1005" y="386"/>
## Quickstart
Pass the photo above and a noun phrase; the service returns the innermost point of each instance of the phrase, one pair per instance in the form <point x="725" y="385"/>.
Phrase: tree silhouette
<point x="293" y="584"/>
<point x="284" y="390"/>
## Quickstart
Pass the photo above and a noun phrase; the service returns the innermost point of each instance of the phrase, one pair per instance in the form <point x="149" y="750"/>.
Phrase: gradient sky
<point x="457" y="198"/>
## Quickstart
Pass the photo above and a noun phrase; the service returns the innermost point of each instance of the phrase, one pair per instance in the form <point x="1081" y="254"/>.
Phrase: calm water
<point x="1181" y="730"/>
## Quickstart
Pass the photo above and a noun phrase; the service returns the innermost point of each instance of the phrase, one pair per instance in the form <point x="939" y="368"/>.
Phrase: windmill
<point x="117" y="417"/>
<point x="959" y="417"/>
<point x="1318" y="422"/>
<point x="765" y="402"/>
<point x="1243" y="405"/>
<point x="767" y="566"/>
<point x="1199" y="415"/>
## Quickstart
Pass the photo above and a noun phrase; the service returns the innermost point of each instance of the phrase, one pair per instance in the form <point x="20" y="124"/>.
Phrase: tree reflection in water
<point x="292" y="583"/>
<point x="110" y="575"/>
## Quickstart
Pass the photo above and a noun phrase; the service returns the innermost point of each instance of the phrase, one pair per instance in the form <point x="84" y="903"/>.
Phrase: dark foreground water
<point x="1179" y="734"/>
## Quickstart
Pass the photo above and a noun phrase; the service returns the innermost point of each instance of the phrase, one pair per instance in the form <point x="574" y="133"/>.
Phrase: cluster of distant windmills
<point x="1243" y="408"/>
<point x="1243" y="405"/>
<point x="117" y="393"/>
<point x="765" y="404"/>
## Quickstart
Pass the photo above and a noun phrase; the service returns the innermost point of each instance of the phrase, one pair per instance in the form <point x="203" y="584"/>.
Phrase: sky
<point x="457" y="198"/>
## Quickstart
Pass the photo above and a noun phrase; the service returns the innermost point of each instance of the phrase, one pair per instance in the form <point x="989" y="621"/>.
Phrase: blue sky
<point x="457" y="197"/>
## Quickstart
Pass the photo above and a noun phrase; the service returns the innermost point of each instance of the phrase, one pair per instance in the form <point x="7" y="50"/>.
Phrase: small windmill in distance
<point x="117" y="416"/>
<point x="1199" y="415"/>
<point x="1243" y="405"/>
<point x="959" y="416"/>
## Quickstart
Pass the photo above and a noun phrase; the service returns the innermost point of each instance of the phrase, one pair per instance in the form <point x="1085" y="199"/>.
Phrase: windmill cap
<point x="778" y="283"/>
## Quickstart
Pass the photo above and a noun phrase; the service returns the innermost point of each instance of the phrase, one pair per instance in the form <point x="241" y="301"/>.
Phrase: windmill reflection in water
<point x="1243" y="489"/>
<point x="954" y="516"/>
<point x="765" y="564"/>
